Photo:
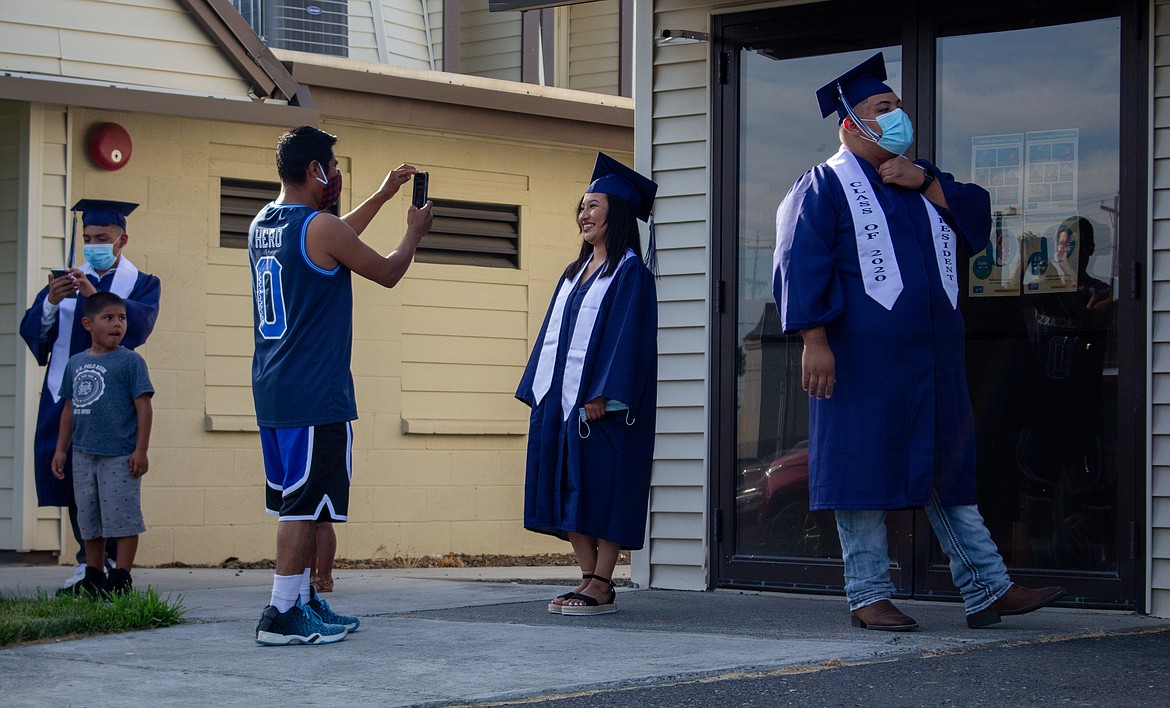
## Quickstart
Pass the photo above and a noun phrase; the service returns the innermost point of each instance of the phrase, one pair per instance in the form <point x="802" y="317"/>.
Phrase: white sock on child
<point x="305" y="587"/>
<point x="285" y="591"/>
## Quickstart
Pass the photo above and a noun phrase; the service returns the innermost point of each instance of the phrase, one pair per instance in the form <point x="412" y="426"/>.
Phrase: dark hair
<point x="299" y="147"/>
<point x="1081" y="229"/>
<point x="621" y="233"/>
<point x="99" y="301"/>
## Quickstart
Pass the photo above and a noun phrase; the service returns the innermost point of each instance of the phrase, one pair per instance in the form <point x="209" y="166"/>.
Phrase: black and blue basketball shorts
<point x="308" y="471"/>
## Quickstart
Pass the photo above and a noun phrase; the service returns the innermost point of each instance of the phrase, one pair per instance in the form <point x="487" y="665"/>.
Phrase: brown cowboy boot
<point x="1018" y="600"/>
<point x="883" y="616"/>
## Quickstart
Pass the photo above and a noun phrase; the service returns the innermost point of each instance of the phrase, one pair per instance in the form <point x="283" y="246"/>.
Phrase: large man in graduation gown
<point x="866" y="270"/>
<point x="52" y="329"/>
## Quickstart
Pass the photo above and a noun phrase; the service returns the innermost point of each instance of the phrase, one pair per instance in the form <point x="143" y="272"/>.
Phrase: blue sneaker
<point x="328" y="616"/>
<point x="297" y="626"/>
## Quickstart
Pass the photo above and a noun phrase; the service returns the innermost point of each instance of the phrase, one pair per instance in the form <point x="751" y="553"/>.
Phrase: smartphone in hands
<point x="421" y="182"/>
<point x="55" y="273"/>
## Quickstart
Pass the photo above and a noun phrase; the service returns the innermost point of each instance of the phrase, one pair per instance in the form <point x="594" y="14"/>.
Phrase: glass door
<point x="1039" y="117"/>
<point x="1034" y="116"/>
<point x="781" y="136"/>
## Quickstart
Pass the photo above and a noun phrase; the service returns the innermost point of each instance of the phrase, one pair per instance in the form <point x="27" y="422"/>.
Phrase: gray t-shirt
<point x="103" y="388"/>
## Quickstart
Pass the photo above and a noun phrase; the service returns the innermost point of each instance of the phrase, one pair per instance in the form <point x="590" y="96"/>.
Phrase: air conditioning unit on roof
<point x="317" y="26"/>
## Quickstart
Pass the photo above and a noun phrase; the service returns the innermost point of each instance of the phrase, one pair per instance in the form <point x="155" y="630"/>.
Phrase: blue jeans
<point x="976" y="566"/>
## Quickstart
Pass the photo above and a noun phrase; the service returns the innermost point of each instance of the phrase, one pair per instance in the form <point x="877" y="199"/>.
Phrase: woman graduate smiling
<point x="592" y="384"/>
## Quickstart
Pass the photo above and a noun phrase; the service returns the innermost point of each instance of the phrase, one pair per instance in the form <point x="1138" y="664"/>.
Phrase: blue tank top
<point x="304" y="325"/>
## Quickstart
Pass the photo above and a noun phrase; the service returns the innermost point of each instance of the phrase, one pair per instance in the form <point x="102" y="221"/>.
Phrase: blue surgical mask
<point x="100" y="255"/>
<point x="897" y="131"/>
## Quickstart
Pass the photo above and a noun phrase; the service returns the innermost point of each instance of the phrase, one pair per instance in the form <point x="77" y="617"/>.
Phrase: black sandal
<point x="592" y="605"/>
<point x="555" y="608"/>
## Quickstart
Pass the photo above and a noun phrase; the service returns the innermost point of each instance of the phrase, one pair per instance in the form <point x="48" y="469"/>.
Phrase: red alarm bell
<point x="109" y="146"/>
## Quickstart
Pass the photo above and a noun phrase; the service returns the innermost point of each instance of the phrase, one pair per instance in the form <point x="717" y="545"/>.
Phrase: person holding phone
<point x="422" y="181"/>
<point x="52" y="329"/>
<point x="591" y="382"/>
<point x="302" y="260"/>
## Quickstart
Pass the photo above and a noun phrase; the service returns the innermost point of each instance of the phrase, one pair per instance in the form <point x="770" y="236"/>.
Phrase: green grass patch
<point x="31" y="619"/>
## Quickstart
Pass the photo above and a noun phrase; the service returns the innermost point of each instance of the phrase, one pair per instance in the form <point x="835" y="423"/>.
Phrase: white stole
<point x="578" y="343"/>
<point x="125" y="276"/>
<point x="875" y="246"/>
<point x="944" y="252"/>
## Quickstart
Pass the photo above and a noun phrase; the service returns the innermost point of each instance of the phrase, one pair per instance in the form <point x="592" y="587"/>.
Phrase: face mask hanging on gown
<point x="610" y="406"/>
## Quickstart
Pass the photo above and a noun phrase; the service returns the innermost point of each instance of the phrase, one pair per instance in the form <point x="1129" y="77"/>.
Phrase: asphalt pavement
<point x="465" y="636"/>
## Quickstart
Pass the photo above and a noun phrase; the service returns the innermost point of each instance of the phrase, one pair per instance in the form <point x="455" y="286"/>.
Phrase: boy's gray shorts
<point x="109" y="499"/>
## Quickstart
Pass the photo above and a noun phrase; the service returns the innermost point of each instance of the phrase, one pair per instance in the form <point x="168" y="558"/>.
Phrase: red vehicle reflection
<point x="773" y="514"/>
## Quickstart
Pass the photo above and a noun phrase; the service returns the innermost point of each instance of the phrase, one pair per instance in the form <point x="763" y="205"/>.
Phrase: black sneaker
<point x="297" y="626"/>
<point x="117" y="582"/>
<point x="89" y="586"/>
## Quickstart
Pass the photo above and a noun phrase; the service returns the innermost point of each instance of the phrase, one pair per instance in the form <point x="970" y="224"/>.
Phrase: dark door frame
<point x="858" y="24"/>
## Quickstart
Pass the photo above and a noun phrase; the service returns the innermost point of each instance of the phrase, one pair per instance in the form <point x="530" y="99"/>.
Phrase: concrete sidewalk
<point x="460" y="635"/>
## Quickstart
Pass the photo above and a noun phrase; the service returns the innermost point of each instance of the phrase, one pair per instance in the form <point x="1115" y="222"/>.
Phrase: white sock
<point x="305" y="587"/>
<point x="285" y="591"/>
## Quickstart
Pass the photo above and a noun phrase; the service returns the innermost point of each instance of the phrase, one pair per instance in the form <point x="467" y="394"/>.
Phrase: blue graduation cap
<point x="854" y="86"/>
<point x="97" y="212"/>
<point x="615" y="179"/>
<point x="104" y="212"/>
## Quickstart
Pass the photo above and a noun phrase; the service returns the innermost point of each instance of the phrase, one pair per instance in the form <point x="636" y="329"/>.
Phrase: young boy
<point x="107" y="417"/>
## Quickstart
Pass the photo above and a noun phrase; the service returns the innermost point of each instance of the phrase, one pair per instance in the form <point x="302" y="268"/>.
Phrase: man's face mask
<point x="99" y="255"/>
<point x="332" y="189"/>
<point x="897" y="131"/>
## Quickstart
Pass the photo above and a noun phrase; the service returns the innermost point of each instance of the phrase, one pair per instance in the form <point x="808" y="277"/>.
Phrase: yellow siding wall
<point x="141" y="42"/>
<point x="1158" y="601"/>
<point x="38" y="194"/>
<point x="595" y="47"/>
<point x="442" y="351"/>
<point x="12" y="130"/>
<point x="491" y="42"/>
<point x="394" y="32"/>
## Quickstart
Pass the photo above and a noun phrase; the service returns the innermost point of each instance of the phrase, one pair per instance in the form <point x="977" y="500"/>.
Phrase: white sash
<point x="944" y="252"/>
<point x="578" y="343"/>
<point x="542" y="381"/>
<point x="582" y="333"/>
<point x="125" y="277"/>
<point x="875" y="247"/>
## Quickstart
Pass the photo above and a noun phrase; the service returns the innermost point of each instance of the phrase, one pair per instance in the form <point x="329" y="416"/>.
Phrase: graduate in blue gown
<point x="52" y="329"/>
<point x="592" y="384"/>
<point x="866" y="269"/>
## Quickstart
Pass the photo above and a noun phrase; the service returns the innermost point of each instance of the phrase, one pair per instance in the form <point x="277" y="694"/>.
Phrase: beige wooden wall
<point x="13" y="129"/>
<point x="442" y="351"/>
<point x="33" y="193"/>
<point x="134" y="42"/>
<point x="594" y="47"/>
<point x="396" y="32"/>
<point x="491" y="41"/>
<point x="1158" y="578"/>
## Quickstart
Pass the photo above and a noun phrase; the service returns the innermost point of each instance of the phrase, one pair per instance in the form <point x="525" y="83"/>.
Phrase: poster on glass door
<point x="997" y="163"/>
<point x="1050" y="197"/>
<point x="1032" y="180"/>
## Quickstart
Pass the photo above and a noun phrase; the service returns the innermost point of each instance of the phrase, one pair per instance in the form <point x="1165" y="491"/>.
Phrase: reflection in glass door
<point x="1033" y="115"/>
<point x="781" y="136"/>
<point x="1037" y="117"/>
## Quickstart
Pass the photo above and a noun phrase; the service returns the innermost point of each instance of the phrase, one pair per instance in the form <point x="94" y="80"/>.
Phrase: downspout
<point x="426" y="18"/>
<point x="380" y="31"/>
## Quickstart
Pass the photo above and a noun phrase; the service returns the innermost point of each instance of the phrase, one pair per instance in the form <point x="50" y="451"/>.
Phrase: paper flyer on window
<point x="1032" y="180"/>
<point x="997" y="166"/>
